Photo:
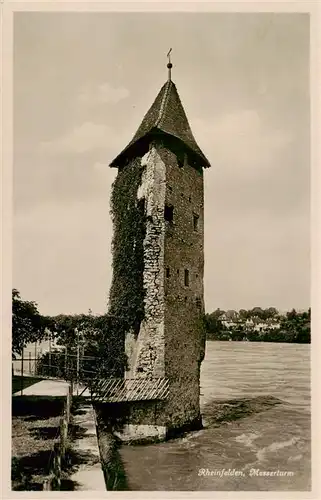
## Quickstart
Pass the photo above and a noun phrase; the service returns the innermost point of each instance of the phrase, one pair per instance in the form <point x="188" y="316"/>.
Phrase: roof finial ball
<point x="169" y="64"/>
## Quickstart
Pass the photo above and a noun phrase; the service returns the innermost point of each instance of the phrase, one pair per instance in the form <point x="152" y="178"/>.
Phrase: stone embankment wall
<point x="113" y="469"/>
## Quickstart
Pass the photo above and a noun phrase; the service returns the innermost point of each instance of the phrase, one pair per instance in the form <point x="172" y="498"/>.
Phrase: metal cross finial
<point x="169" y="65"/>
<point x="169" y="55"/>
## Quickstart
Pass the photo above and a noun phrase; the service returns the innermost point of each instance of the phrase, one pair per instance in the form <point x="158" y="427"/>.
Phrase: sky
<point x="82" y="84"/>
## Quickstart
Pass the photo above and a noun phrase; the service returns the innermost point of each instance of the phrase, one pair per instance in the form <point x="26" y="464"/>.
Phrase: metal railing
<point x="61" y="363"/>
<point x="82" y="371"/>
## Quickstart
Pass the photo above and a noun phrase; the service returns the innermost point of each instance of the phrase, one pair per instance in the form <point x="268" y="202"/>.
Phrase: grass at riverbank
<point x="35" y="430"/>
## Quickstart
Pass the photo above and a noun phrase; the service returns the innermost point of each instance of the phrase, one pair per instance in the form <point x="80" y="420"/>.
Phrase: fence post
<point x="36" y="358"/>
<point x="65" y="434"/>
<point x="58" y="471"/>
<point x="66" y="357"/>
<point x="78" y="353"/>
<point x="29" y="362"/>
<point x="57" y="465"/>
<point x="68" y="404"/>
<point x="21" y="373"/>
<point x="62" y="435"/>
<point x="49" y="359"/>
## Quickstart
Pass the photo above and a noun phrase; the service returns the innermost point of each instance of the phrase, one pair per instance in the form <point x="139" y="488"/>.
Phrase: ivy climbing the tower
<point x="126" y="299"/>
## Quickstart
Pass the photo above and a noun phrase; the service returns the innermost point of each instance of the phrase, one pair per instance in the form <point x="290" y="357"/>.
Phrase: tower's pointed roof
<point x="167" y="116"/>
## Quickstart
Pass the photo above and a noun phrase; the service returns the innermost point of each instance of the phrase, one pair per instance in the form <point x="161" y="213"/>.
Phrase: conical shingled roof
<point x="166" y="115"/>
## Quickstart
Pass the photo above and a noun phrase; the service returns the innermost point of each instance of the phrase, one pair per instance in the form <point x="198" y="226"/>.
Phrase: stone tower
<point x="166" y="340"/>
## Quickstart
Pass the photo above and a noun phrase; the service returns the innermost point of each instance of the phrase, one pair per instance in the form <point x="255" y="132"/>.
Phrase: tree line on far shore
<point x="259" y="325"/>
<point x="100" y="336"/>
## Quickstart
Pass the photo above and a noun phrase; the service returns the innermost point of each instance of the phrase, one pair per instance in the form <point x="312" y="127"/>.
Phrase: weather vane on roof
<point x="169" y="64"/>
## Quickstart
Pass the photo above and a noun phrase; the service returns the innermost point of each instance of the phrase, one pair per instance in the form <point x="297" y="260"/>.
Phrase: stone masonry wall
<point x="146" y="354"/>
<point x="184" y="301"/>
<point x="170" y="342"/>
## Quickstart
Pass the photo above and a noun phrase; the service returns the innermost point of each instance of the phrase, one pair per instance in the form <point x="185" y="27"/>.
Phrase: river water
<point x="271" y="438"/>
<point x="238" y="369"/>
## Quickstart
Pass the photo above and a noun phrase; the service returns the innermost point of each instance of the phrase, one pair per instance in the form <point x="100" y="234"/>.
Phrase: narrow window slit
<point x="141" y="205"/>
<point x="195" y="221"/>
<point x="169" y="213"/>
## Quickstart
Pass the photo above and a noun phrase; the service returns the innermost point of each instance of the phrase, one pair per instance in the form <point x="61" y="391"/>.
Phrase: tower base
<point x="145" y="421"/>
<point x="141" y="433"/>
<point x="149" y="433"/>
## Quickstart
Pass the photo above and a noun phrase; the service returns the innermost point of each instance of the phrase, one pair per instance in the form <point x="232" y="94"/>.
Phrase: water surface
<point x="241" y="369"/>
<point x="275" y="438"/>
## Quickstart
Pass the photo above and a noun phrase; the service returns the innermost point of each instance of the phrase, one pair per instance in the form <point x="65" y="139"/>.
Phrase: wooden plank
<point x="136" y="389"/>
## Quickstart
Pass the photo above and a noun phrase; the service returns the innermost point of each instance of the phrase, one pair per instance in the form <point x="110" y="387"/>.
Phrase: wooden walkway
<point x="116" y="390"/>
